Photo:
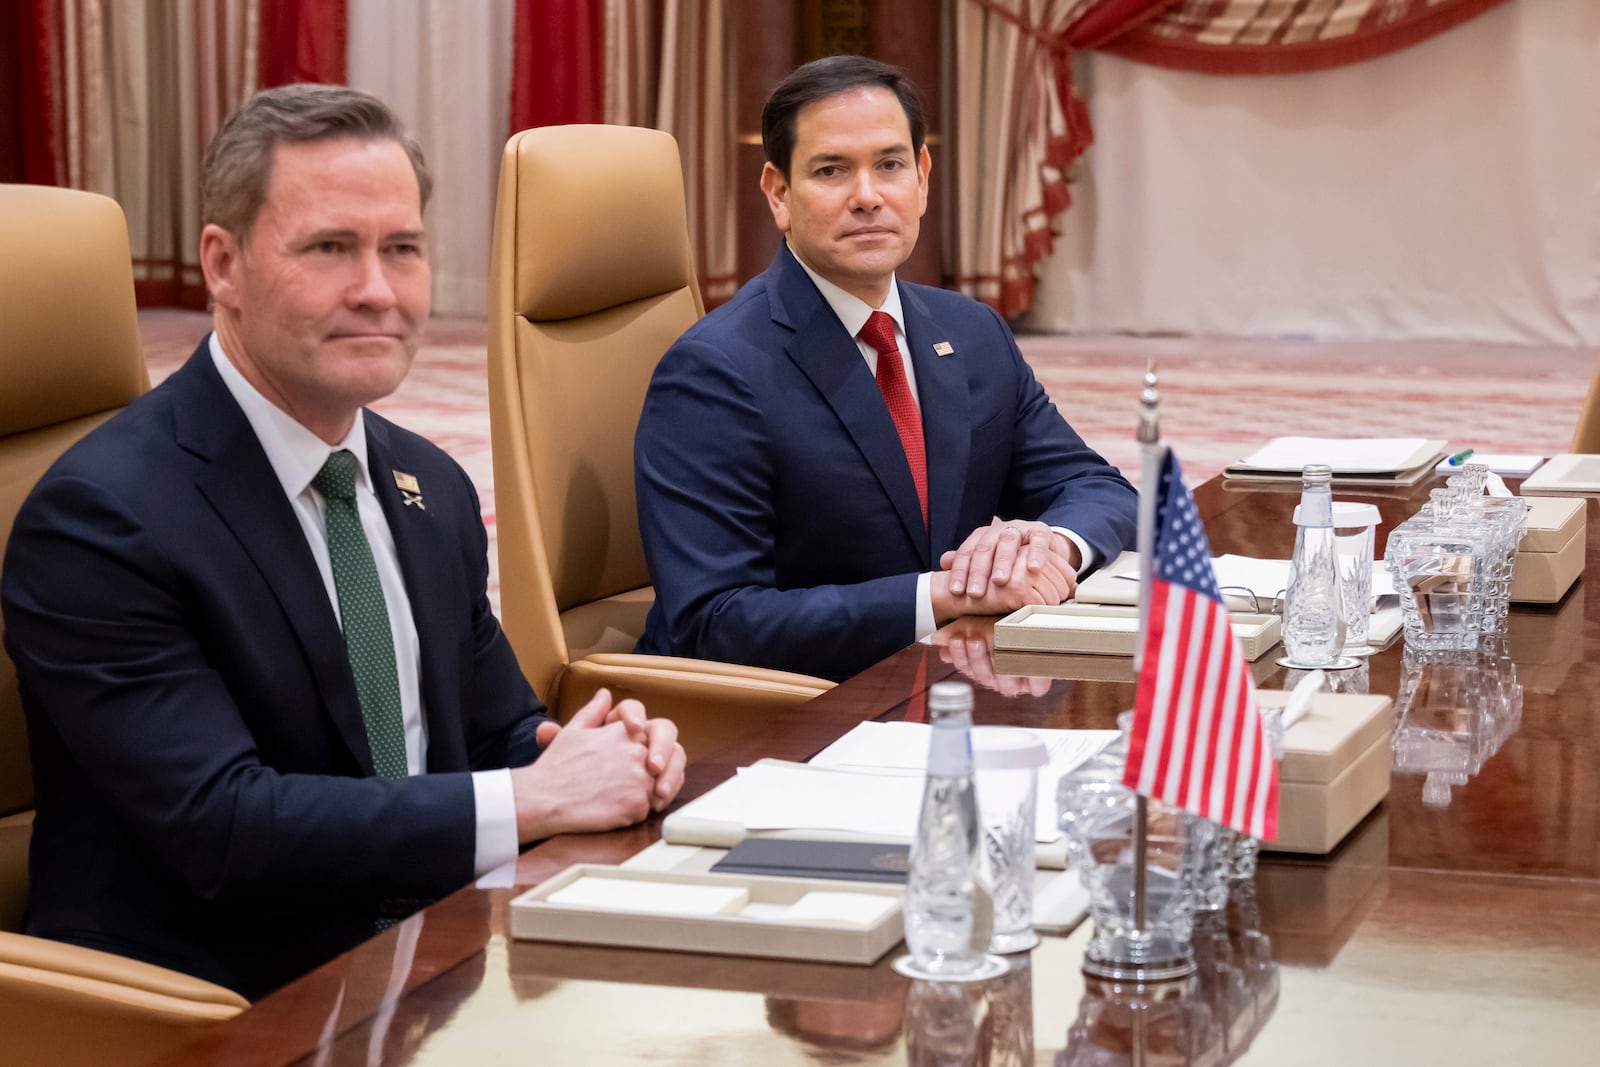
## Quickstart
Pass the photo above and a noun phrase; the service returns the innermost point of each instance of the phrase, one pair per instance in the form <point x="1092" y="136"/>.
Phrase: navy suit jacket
<point x="779" y="517"/>
<point x="205" y="798"/>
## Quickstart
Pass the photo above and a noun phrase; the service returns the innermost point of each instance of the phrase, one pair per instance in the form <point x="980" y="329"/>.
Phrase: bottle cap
<point x="950" y="696"/>
<point x="1007" y="748"/>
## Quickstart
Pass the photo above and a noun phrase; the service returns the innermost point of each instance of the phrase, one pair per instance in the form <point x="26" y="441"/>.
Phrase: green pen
<point x="1460" y="457"/>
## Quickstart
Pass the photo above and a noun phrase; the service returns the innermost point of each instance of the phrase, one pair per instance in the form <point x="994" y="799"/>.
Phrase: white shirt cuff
<point x="496" y="804"/>
<point x="1085" y="553"/>
<point x="924" y="606"/>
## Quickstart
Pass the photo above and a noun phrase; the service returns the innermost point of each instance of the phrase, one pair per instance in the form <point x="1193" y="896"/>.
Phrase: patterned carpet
<point x="1219" y="398"/>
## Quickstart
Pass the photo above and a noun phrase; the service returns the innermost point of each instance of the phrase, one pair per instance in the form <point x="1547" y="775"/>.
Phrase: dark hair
<point x="238" y="162"/>
<point x="830" y="76"/>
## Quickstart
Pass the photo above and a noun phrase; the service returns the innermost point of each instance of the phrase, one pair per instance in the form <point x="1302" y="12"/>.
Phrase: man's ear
<point x="924" y="167"/>
<point x="776" y="188"/>
<point x="219" y="259"/>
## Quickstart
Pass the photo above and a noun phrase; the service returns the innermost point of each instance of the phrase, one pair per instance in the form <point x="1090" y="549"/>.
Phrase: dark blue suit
<point x="779" y="517"/>
<point x="204" y="790"/>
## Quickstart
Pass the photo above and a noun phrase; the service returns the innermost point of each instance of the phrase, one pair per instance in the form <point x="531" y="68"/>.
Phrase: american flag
<point x="1197" y="741"/>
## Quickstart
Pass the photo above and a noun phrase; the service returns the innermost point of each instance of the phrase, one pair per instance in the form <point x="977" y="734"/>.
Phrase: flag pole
<point x="1149" y="486"/>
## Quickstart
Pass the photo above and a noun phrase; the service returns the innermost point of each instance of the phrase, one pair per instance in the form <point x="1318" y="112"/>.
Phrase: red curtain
<point x="1287" y="36"/>
<point x="29" y="130"/>
<point x="303" y="41"/>
<point x="558" y="63"/>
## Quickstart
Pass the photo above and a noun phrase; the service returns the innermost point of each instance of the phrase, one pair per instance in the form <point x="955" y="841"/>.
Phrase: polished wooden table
<point x="1458" y="924"/>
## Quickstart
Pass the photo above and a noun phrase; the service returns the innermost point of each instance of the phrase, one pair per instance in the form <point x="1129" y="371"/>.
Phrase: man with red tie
<point x="836" y="462"/>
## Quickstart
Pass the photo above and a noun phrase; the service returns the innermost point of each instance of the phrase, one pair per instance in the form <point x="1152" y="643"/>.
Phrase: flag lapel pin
<point x="942" y="348"/>
<point x="410" y="490"/>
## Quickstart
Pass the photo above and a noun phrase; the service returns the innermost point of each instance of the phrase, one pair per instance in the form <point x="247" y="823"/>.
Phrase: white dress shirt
<point x="853" y="313"/>
<point x="296" y="455"/>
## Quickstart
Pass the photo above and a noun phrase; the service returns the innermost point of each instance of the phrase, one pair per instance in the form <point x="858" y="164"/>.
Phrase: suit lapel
<point x="241" y="486"/>
<point x="415" y="524"/>
<point x="830" y="359"/>
<point x="946" y="423"/>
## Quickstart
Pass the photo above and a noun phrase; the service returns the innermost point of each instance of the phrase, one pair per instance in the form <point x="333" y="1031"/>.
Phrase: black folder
<point x="851" y="861"/>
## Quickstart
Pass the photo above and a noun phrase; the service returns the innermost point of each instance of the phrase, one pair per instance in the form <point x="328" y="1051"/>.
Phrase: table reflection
<point x="1201" y="1021"/>
<point x="989" y="1023"/>
<point x="1454" y="711"/>
<point x="967" y="644"/>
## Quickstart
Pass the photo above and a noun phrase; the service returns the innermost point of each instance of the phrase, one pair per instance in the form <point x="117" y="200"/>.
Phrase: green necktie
<point x="364" y="615"/>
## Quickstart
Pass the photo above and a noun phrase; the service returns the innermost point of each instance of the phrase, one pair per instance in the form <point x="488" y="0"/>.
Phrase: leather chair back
<point x="70" y="357"/>
<point x="592" y="279"/>
<point x="1586" y="436"/>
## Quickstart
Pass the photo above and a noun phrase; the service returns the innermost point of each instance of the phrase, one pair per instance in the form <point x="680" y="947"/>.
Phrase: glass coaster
<point x="991" y="967"/>
<point x="1007" y="944"/>
<point x="1343" y="663"/>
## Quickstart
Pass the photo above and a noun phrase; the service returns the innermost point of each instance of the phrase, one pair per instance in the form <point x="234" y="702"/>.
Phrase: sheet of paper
<point x="1516" y="466"/>
<point x="796" y="797"/>
<point x="1375" y="454"/>
<point x="845" y="909"/>
<point x="902" y="748"/>
<point x="1267" y="578"/>
<point x="1094" y="623"/>
<point x="671" y="898"/>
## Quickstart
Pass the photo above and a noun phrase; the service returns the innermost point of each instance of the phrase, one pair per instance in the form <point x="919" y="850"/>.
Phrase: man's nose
<point x="864" y="194"/>
<point x="371" y="286"/>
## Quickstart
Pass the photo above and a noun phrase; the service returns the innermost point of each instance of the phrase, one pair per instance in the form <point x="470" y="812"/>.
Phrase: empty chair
<point x="591" y="280"/>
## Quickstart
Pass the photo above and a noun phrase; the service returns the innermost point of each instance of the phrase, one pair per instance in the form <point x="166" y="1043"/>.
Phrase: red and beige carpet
<point x="1219" y="398"/>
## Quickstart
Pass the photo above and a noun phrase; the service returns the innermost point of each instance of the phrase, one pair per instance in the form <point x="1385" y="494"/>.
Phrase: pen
<point x="1460" y="457"/>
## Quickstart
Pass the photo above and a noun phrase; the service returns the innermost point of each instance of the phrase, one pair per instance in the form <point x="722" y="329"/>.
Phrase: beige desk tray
<point x="534" y="917"/>
<point x="1109" y="630"/>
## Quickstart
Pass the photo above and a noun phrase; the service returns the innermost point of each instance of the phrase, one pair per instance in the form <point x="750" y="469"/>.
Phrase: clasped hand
<point x="1004" y="566"/>
<point x="610" y="766"/>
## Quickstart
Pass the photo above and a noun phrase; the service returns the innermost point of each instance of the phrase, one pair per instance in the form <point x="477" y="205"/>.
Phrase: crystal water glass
<point x="1439" y="561"/>
<point x="1098" y="816"/>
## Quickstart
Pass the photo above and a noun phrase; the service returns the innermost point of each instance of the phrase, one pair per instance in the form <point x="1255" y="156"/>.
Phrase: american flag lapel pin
<point x="942" y="348"/>
<point x="410" y="490"/>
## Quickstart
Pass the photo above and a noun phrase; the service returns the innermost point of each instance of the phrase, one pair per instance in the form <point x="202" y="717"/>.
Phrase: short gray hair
<point x="238" y="162"/>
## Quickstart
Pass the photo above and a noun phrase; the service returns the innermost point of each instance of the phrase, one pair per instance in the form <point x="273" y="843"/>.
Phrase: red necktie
<point x="879" y="333"/>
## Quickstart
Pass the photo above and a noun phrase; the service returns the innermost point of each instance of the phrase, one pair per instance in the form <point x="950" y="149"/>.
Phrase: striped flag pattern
<point x="1197" y="741"/>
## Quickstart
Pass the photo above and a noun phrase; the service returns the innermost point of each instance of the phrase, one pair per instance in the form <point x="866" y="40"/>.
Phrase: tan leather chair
<point x="1586" y="438"/>
<point x="70" y="357"/>
<point x="591" y="279"/>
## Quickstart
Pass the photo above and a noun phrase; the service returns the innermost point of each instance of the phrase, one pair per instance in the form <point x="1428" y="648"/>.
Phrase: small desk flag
<point x="1197" y="741"/>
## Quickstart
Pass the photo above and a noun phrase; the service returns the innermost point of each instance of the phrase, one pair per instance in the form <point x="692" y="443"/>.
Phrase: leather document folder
<point x="1355" y="461"/>
<point x="852" y="861"/>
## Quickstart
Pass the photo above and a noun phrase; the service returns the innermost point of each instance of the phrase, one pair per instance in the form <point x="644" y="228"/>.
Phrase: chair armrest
<point x="117" y="984"/>
<point x="711" y="703"/>
<point x="69" y="1006"/>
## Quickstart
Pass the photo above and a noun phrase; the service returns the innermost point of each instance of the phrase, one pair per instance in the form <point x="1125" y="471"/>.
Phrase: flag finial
<point x="1149" y="397"/>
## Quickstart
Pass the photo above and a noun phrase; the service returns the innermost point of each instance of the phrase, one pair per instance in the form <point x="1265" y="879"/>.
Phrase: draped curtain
<point x="445" y="69"/>
<point x="558" y="66"/>
<point x="1022" y="123"/>
<point x="695" y="105"/>
<point x="1447" y="192"/>
<point x="1020" y="126"/>
<point x="134" y="94"/>
<point x="666" y="64"/>
<point x="1287" y="36"/>
<point x="303" y="41"/>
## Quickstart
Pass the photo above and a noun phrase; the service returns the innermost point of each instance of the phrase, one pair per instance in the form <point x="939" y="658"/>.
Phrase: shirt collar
<point x="851" y="309"/>
<point x="295" y="453"/>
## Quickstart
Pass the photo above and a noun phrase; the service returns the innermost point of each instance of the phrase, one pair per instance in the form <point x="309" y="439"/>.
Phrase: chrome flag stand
<point x="1146" y="955"/>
